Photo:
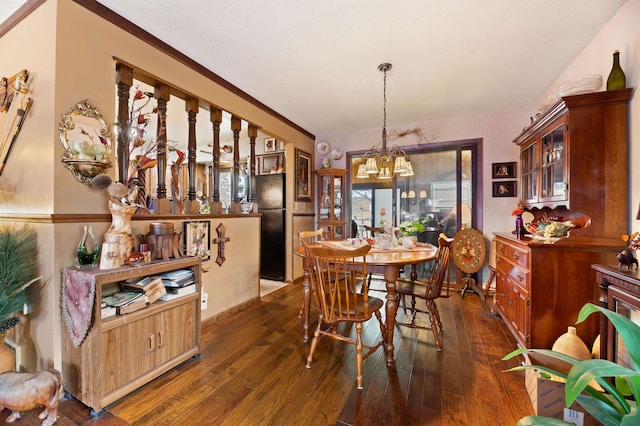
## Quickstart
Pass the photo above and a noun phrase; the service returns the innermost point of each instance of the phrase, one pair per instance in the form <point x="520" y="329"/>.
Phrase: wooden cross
<point x="220" y="241"/>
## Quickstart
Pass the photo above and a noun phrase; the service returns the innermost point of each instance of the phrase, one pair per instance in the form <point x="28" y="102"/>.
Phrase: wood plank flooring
<point x="251" y="372"/>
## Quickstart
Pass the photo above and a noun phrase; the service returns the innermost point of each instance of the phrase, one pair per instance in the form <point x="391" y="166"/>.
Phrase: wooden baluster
<point x="124" y="80"/>
<point x="253" y="134"/>
<point x="162" y="93"/>
<point x="192" y="107"/>
<point x="235" y="127"/>
<point x="216" y="118"/>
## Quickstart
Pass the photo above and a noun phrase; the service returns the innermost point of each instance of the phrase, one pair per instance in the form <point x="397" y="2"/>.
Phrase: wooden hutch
<point x="573" y="163"/>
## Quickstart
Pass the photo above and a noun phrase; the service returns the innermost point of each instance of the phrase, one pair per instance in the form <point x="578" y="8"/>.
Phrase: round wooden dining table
<point x="378" y="261"/>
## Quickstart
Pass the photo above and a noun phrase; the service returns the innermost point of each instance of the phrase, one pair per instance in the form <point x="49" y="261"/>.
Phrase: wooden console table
<point x="619" y="292"/>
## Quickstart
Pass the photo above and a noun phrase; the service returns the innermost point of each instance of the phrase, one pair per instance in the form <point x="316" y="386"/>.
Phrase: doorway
<point x="444" y="194"/>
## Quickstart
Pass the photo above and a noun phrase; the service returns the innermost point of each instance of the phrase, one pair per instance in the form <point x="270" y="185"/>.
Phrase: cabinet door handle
<point x="152" y="345"/>
<point x="516" y="256"/>
<point x="501" y="248"/>
<point x="520" y="277"/>
<point x="160" y="339"/>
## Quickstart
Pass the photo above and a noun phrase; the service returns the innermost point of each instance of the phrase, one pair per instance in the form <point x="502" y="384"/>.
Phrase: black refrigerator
<point x="270" y="196"/>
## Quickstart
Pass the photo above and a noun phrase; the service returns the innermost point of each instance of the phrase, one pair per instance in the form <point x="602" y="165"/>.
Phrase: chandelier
<point x="379" y="159"/>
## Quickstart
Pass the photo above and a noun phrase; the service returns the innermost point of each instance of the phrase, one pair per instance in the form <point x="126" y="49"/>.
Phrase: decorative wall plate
<point x="337" y="153"/>
<point x="323" y="148"/>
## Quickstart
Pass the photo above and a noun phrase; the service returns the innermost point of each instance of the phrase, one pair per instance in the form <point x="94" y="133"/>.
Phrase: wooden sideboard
<point x="573" y="166"/>
<point x="619" y="292"/>
<point x="540" y="287"/>
<point x="123" y="352"/>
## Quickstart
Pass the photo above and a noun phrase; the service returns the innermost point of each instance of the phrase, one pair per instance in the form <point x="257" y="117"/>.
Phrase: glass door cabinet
<point x="329" y="203"/>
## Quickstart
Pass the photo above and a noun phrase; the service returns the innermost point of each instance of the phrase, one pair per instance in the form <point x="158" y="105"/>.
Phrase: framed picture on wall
<point x="302" y="179"/>
<point x="503" y="170"/>
<point x="507" y="188"/>
<point x="269" y="144"/>
<point x="270" y="163"/>
<point x="197" y="239"/>
<point x="282" y="146"/>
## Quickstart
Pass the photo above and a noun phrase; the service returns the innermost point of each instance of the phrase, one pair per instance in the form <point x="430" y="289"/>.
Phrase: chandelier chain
<point x="384" y="68"/>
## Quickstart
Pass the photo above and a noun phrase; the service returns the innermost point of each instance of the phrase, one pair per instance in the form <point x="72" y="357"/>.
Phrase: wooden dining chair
<point x="309" y="237"/>
<point x="429" y="290"/>
<point x="334" y="272"/>
<point x="372" y="232"/>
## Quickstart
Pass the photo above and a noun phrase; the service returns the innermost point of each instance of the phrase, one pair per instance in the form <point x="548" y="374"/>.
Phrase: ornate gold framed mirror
<point x="87" y="140"/>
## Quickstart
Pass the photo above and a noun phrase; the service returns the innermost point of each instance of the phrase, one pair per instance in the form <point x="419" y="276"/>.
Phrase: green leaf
<point x="584" y="372"/>
<point x="538" y="420"/>
<point x="628" y="331"/>
<point x="604" y="412"/>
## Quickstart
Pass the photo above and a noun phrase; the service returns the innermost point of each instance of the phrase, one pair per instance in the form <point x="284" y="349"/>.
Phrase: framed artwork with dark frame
<point x="197" y="239"/>
<point x="302" y="179"/>
<point x="269" y="163"/>
<point x="506" y="188"/>
<point x="269" y="144"/>
<point x="503" y="170"/>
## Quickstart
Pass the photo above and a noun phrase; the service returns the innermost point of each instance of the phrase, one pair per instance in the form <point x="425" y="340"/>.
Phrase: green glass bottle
<point x="616" y="78"/>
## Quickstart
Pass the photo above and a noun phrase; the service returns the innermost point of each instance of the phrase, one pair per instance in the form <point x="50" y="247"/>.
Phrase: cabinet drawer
<point x="519" y="255"/>
<point x="520" y="277"/>
<point x="512" y="253"/>
<point x="502" y="249"/>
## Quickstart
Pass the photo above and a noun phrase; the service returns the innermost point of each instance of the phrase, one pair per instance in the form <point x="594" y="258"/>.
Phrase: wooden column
<point x="253" y="134"/>
<point x="124" y="80"/>
<point x="192" y="106"/>
<point x="162" y="94"/>
<point x="236" y="125"/>
<point x="216" y="118"/>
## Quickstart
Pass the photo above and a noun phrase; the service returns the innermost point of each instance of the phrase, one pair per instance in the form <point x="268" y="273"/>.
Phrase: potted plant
<point x="618" y="405"/>
<point x="409" y="228"/>
<point x="18" y="270"/>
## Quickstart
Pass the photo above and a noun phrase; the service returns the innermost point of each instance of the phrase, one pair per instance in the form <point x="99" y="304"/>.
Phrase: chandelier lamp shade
<point x="380" y="160"/>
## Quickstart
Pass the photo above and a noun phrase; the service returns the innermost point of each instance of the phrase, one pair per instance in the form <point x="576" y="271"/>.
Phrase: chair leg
<point x="383" y="328"/>
<point x="314" y="342"/>
<point x="492" y="274"/>
<point x="436" y="325"/>
<point x="359" y="357"/>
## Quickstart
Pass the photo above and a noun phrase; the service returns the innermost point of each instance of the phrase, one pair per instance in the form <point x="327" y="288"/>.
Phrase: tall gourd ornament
<point x="616" y="78"/>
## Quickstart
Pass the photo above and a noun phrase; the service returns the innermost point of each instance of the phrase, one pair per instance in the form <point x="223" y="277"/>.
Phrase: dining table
<point x="384" y="261"/>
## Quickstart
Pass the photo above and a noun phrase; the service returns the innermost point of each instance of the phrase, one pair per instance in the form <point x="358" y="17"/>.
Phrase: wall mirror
<point x="86" y="139"/>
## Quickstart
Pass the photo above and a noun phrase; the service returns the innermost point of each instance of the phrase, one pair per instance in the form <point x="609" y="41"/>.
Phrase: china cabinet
<point x="123" y="352"/>
<point x="329" y="202"/>
<point x="619" y="292"/>
<point x="573" y="164"/>
<point x="573" y="159"/>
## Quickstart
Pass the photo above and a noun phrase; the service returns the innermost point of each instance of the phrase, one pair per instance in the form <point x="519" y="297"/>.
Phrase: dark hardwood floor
<point x="251" y="372"/>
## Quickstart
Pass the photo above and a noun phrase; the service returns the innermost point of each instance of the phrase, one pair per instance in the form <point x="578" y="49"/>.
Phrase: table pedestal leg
<point x="390" y="276"/>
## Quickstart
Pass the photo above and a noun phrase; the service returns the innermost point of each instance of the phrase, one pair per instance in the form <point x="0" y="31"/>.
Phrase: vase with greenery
<point x="409" y="228"/>
<point x="618" y="404"/>
<point x="18" y="270"/>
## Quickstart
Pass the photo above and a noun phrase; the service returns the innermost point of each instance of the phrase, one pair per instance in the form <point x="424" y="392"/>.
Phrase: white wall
<point x="621" y="33"/>
<point x="498" y="130"/>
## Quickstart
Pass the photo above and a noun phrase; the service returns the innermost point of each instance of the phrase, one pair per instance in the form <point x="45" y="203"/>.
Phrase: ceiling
<point x="316" y="61"/>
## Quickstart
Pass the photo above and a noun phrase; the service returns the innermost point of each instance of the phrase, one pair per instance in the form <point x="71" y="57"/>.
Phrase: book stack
<point x="126" y="302"/>
<point x="107" y="311"/>
<point x="152" y="287"/>
<point x="178" y="283"/>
